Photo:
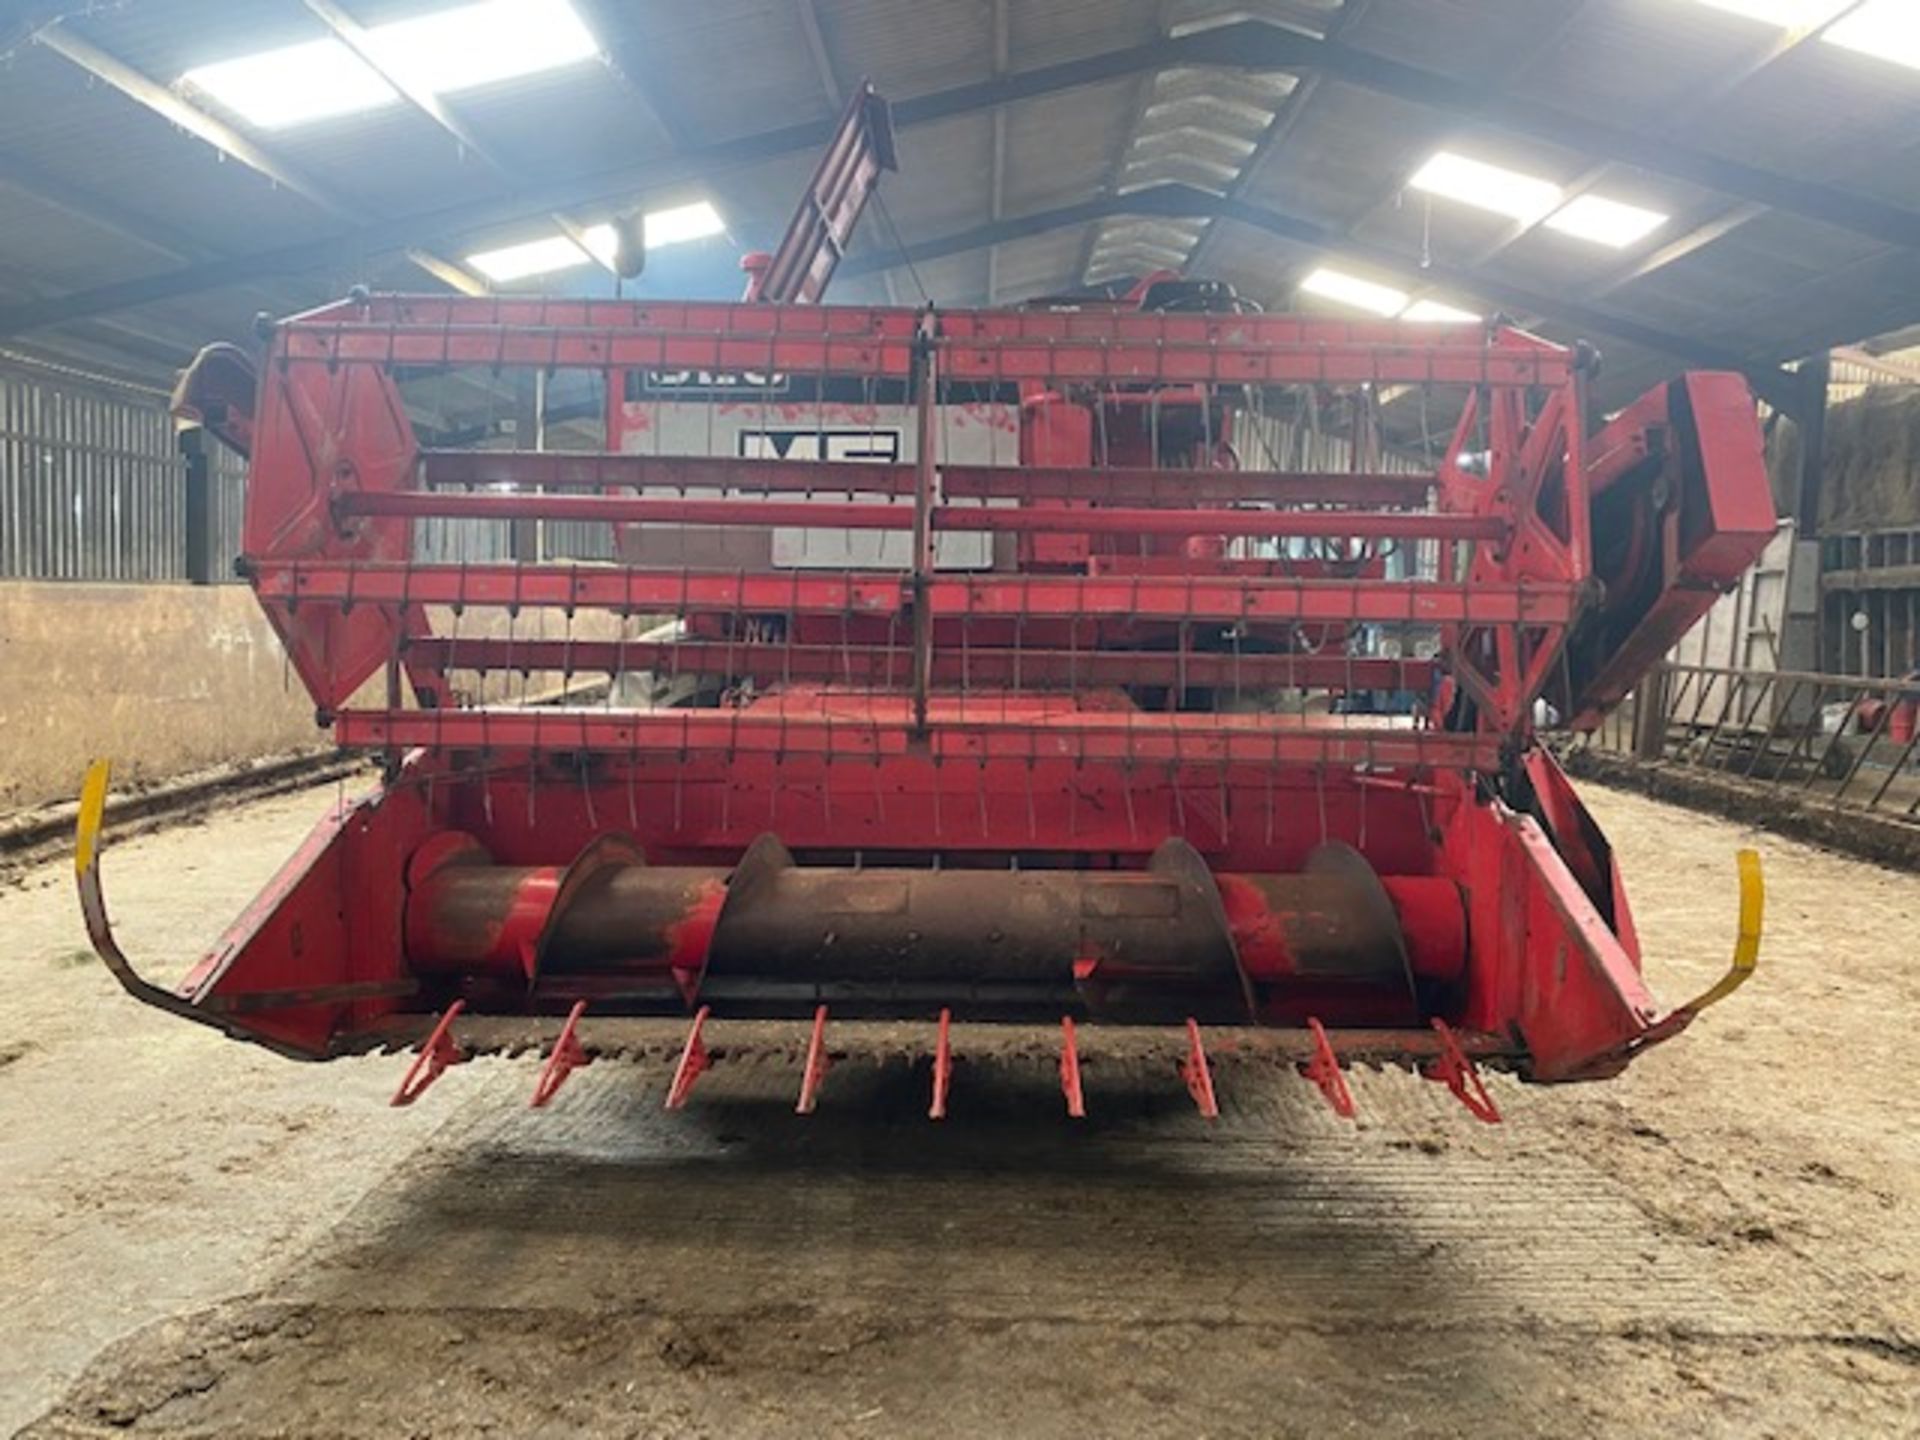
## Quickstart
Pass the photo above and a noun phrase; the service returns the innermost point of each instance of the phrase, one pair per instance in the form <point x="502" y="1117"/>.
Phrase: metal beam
<point x="31" y="15"/>
<point x="809" y="12"/>
<point x="1293" y="109"/>
<point x="351" y="33"/>
<point x="1495" y="70"/>
<point x="1175" y="201"/>
<point x="1243" y="45"/>
<point x="1656" y="154"/>
<point x="1694" y="238"/>
<point x="1019" y="227"/>
<point x="132" y="342"/>
<point x="139" y="342"/>
<point x="79" y="361"/>
<point x="150" y="94"/>
<point x="618" y="185"/>
<point x="1896" y="372"/>
<point x="1778" y="48"/>
<point x="634" y="70"/>
<point x="1880" y="291"/>
<point x="168" y="106"/>
<point x="1117" y="167"/>
<point x="1530" y="55"/>
<point x="997" y="183"/>
<point x="98" y="210"/>
<point x="1814" y="380"/>
<point x="109" y="215"/>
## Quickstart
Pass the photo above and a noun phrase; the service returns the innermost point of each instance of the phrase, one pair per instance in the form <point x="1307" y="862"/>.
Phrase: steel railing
<point x="1842" y="741"/>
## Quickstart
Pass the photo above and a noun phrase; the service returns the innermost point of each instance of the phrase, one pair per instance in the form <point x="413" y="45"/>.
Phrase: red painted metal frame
<point x="634" y="510"/>
<point x="1042" y="345"/>
<point x="535" y="470"/>
<point x="1717" y="519"/>
<point x="848" y="666"/>
<point x="907" y="714"/>
<point x="1032" y="596"/>
<point x="1119" y="739"/>
<point x="815" y="241"/>
<point x="1048" y="347"/>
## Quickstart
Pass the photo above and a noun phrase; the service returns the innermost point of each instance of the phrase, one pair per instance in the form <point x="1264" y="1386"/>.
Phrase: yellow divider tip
<point x="93" y="814"/>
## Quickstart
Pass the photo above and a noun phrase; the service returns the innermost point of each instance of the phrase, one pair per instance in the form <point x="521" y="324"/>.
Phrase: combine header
<point x="965" y="666"/>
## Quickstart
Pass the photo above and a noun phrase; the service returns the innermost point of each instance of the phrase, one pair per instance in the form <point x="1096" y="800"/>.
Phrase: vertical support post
<point x="1579" y="499"/>
<point x="926" y="436"/>
<point x="1816" y="374"/>
<point x="1804" y="644"/>
<point x="524" y="535"/>
<point x="199" y="509"/>
<point x="1650" y="713"/>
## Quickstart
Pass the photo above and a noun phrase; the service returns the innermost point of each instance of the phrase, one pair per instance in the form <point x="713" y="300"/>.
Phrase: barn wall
<point x="164" y="679"/>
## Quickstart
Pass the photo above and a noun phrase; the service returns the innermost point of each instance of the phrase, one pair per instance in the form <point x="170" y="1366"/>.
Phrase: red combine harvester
<point x="964" y="666"/>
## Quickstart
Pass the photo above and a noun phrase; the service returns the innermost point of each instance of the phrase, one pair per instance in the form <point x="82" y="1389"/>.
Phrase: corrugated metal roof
<point x="1189" y="131"/>
<point x="717" y="70"/>
<point x="913" y="45"/>
<point x="1061" y="148"/>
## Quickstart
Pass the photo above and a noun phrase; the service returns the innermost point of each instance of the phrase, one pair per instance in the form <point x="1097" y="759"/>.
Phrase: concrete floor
<point x="201" y="1239"/>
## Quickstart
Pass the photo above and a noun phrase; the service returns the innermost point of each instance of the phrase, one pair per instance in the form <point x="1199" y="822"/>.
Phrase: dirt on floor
<point x="201" y="1239"/>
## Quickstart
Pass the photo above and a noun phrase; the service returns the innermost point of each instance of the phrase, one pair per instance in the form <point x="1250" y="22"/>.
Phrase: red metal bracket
<point x="1070" y="1070"/>
<point x="435" y="1056"/>
<point x="1454" y="1070"/>
<point x="694" y="1061"/>
<point x="567" y="1057"/>
<point x="1195" y="1072"/>
<point x="1324" y="1071"/>
<point x="817" y="1064"/>
<point x="942" y="1068"/>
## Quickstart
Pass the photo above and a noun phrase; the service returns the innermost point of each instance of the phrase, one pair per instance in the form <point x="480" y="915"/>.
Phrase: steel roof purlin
<point x="1044" y="143"/>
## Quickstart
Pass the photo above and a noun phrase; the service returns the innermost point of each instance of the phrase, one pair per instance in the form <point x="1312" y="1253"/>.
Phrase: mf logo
<point x="875" y="444"/>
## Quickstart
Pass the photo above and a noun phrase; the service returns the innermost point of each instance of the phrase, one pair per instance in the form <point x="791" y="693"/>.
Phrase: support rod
<point x="836" y="515"/>
<point x="549" y="470"/>
<point x="867" y="665"/>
